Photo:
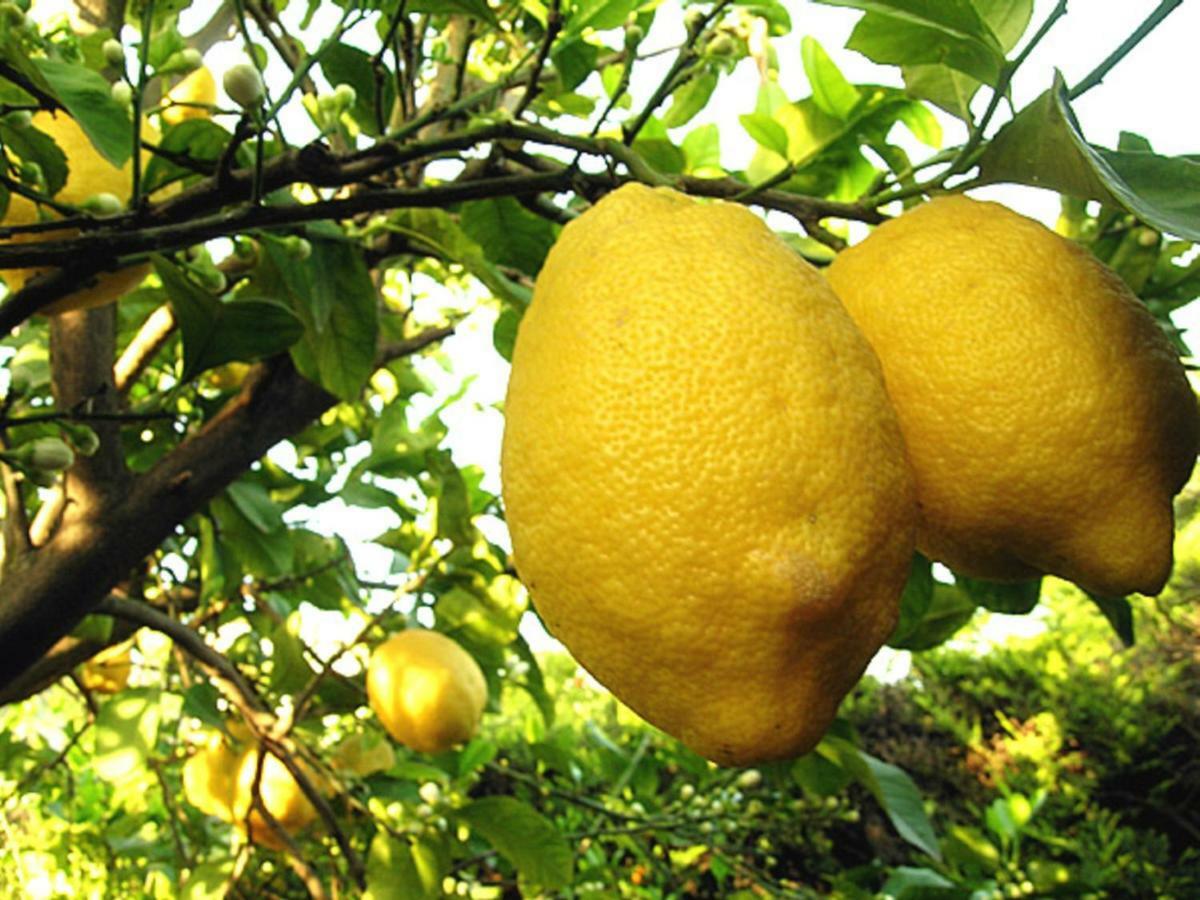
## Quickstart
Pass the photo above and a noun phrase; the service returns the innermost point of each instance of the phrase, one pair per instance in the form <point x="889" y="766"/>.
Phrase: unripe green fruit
<point x="20" y="118"/>
<point x="192" y="58"/>
<point x="46" y="454"/>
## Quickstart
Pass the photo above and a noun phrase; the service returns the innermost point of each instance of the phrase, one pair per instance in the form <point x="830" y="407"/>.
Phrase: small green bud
<point x="721" y="46"/>
<point x="244" y="85"/>
<point x="687" y="792"/>
<point x="430" y="793"/>
<point x="21" y="118"/>
<point x="31" y="173"/>
<point x="122" y="93"/>
<point x="749" y="779"/>
<point x="114" y="53"/>
<point x="634" y="34"/>
<point x="693" y="21"/>
<point x="191" y="58"/>
<point x="47" y="454"/>
<point x="297" y="248"/>
<point x="103" y="204"/>
<point x="1147" y="237"/>
<point x="345" y="95"/>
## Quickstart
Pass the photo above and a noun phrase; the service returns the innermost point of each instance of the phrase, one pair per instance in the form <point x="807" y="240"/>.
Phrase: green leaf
<point x="909" y="883"/>
<point x="914" y="601"/>
<point x="504" y="332"/>
<point x="1119" y="614"/>
<point x="766" y="132"/>
<point x="126" y="733"/>
<point x="949" y="610"/>
<point x="374" y="89"/>
<point x="689" y="99"/>
<point x="508" y="233"/>
<point x="393" y="872"/>
<point x="201" y="702"/>
<point x="1014" y="599"/>
<point x="209" y="881"/>
<point x="892" y="789"/>
<point x="599" y="14"/>
<point x="332" y="294"/>
<point x="476" y="9"/>
<point x="534" y="682"/>
<point x="88" y="98"/>
<point x="702" y="148"/>
<point x="524" y="837"/>
<point x="574" y="59"/>
<point x="912" y="32"/>
<point x="832" y="93"/>
<point x="290" y="671"/>
<point x="201" y="140"/>
<point x="36" y="146"/>
<point x="1044" y="147"/>
<point x="818" y="774"/>
<point x="656" y="147"/>
<point x="263" y="551"/>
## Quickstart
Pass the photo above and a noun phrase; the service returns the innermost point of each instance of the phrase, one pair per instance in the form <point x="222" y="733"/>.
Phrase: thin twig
<point x="1093" y="78"/>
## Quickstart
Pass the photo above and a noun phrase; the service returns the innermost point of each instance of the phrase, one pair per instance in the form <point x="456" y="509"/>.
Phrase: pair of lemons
<point x="717" y="462"/>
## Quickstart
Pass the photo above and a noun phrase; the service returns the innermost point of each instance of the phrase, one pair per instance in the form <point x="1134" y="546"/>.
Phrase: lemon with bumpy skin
<point x="209" y="777"/>
<point x="1047" y="416"/>
<point x="191" y="97"/>
<point x="705" y="484"/>
<point x="281" y="795"/>
<point x="89" y="174"/>
<point x="108" y="671"/>
<point x="428" y="691"/>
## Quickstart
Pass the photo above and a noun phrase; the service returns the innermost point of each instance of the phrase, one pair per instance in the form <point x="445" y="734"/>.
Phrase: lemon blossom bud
<point x="345" y="94"/>
<point x="114" y="53"/>
<point x="191" y="58"/>
<point x="122" y="93"/>
<point x="750" y="779"/>
<point x="244" y="85"/>
<point x="103" y="204"/>
<point x="48" y="454"/>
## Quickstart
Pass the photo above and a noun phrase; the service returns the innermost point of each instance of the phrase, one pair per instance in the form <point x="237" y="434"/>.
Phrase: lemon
<point x="705" y="484"/>
<point x="280" y="793"/>
<point x="209" y="777"/>
<point x="89" y="174"/>
<point x="1048" y="418"/>
<point x="428" y="692"/>
<point x="200" y="88"/>
<point x="108" y="671"/>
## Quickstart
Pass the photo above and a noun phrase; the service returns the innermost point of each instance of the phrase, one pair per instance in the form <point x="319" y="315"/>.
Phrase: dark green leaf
<point x="37" y="146"/>
<point x="199" y="139"/>
<point x="908" y="883"/>
<point x="508" y="233"/>
<point x="914" y="32"/>
<point x="948" y="612"/>
<point x="504" y="332"/>
<point x="689" y="99"/>
<point x="533" y="681"/>
<point x="1043" y="146"/>
<point x="1012" y="598"/>
<point x="334" y="297"/>
<point x="88" y="98"/>
<point x="524" y="837"/>
<point x="1119" y="614"/>
<point x="574" y="59"/>
<point x="290" y="671"/>
<point x="374" y="88"/>
<point x="915" y="600"/>
<point x="200" y="701"/>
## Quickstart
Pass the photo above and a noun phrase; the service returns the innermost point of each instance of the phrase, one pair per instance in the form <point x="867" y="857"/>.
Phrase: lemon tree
<point x="350" y="353"/>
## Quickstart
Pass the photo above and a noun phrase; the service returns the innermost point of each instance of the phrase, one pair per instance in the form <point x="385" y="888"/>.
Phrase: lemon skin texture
<point x="88" y="173"/>
<point x="1048" y="419"/>
<point x="281" y="795"/>
<point x="209" y="778"/>
<point x="428" y="692"/>
<point x="705" y="484"/>
<point x="198" y="87"/>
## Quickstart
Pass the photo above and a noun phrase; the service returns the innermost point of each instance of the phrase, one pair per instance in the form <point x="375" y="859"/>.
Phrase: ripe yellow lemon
<point x="705" y="484"/>
<point x="281" y="795"/>
<point x="200" y="88"/>
<point x="428" y="692"/>
<point x="89" y="173"/>
<point x="209" y="776"/>
<point x="1047" y="416"/>
<point x="108" y="671"/>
